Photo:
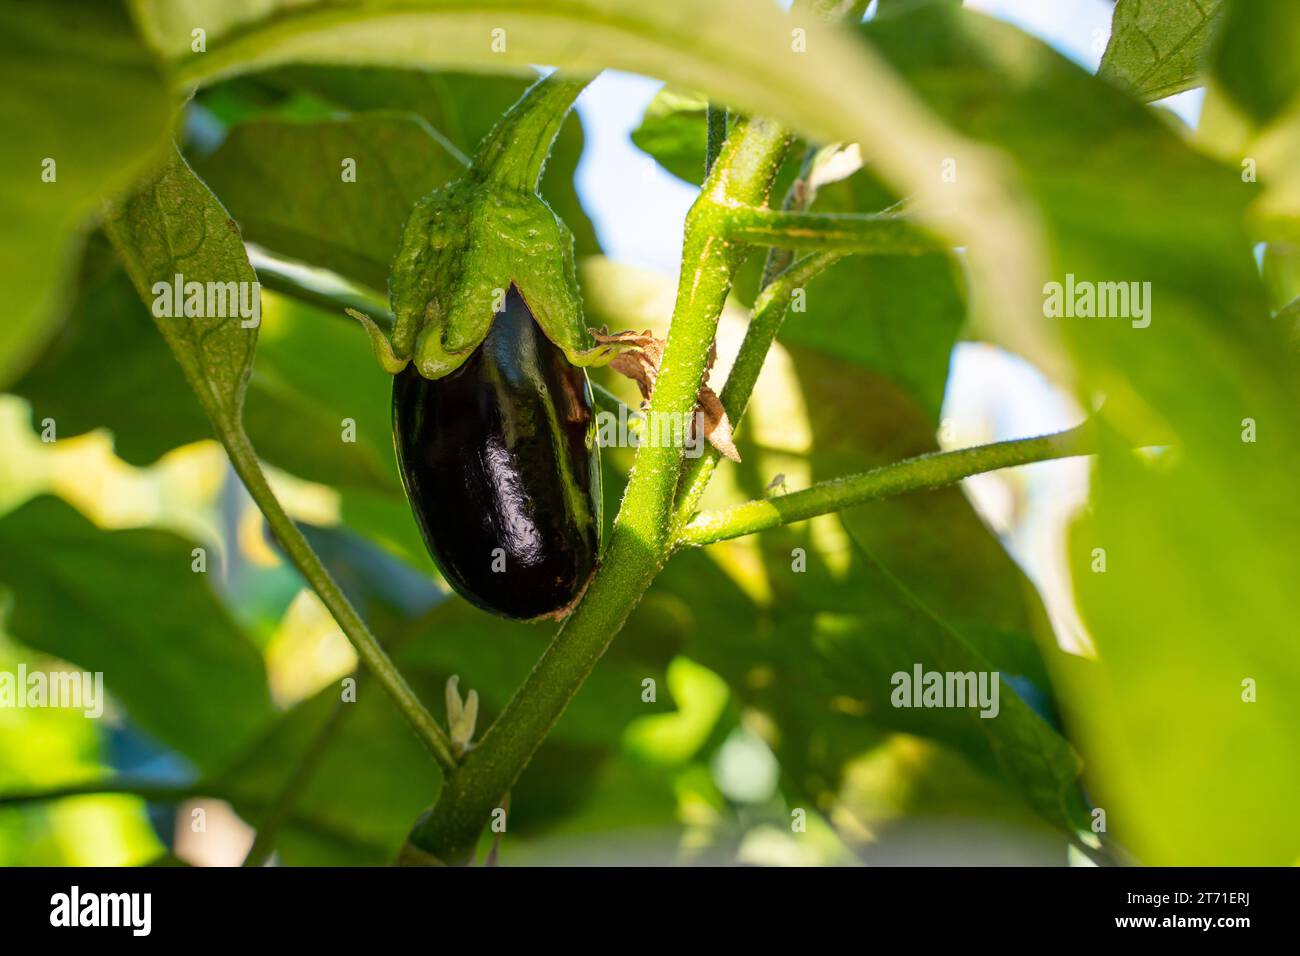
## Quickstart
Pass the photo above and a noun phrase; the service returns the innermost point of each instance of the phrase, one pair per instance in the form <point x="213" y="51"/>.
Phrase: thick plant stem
<point x="765" y="321"/>
<point x="641" y="538"/>
<point x="915" y="474"/>
<point x="309" y="565"/>
<point x="880" y="233"/>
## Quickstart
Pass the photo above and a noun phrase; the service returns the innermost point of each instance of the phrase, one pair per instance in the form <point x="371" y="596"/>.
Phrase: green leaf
<point x="127" y="604"/>
<point x="674" y="130"/>
<point x="320" y="214"/>
<point x="461" y="106"/>
<point x="1252" y="113"/>
<point x="1194" y="536"/>
<point x="69" y="70"/>
<point x="174" y="226"/>
<point x="1158" y="47"/>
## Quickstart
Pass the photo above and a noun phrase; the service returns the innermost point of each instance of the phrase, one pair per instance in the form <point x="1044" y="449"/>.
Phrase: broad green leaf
<point x="317" y="375"/>
<point x="460" y="106"/>
<point x="176" y="227"/>
<point x="740" y="52"/>
<point x="84" y="108"/>
<point x="342" y="189"/>
<point x="1158" y="47"/>
<point x="173" y="229"/>
<point x="127" y="604"/>
<point x="1193" y="537"/>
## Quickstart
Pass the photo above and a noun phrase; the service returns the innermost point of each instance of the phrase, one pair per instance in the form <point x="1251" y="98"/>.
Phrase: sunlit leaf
<point x="68" y="68"/>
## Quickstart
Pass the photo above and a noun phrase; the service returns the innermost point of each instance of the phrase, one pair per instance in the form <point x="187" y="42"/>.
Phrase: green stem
<point x="513" y="155"/>
<point x="316" y="287"/>
<point x="914" y="474"/>
<point x="765" y="321"/>
<point x="879" y="233"/>
<point x="640" y="541"/>
<point x="309" y="565"/>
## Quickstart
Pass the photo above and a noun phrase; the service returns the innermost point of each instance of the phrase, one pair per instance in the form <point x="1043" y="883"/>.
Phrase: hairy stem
<point x="641" y="540"/>
<point x="914" y="474"/>
<point x="765" y="321"/>
<point x="880" y="233"/>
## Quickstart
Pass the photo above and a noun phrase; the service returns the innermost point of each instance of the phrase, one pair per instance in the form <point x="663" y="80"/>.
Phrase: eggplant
<point x="501" y="465"/>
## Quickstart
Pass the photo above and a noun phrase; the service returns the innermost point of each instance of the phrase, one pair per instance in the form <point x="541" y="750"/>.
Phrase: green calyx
<point x="467" y="243"/>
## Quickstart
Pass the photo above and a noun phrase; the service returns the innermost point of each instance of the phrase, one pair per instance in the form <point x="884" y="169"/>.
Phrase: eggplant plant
<point x="804" y="598"/>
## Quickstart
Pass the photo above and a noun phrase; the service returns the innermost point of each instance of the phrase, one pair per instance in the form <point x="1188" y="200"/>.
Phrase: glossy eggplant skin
<point x="502" y="454"/>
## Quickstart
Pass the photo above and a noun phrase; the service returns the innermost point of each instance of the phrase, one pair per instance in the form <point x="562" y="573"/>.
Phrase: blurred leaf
<point x="313" y="370"/>
<point x="1255" y="61"/>
<point x="285" y="183"/>
<point x="126" y="603"/>
<point x="1194" y="537"/>
<point x="84" y="93"/>
<point x="674" y="130"/>
<point x="1251" y="116"/>
<point x="173" y="226"/>
<point x="124" y="376"/>
<point x="357" y="808"/>
<point x="1158" y="47"/>
<point x="362" y="818"/>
